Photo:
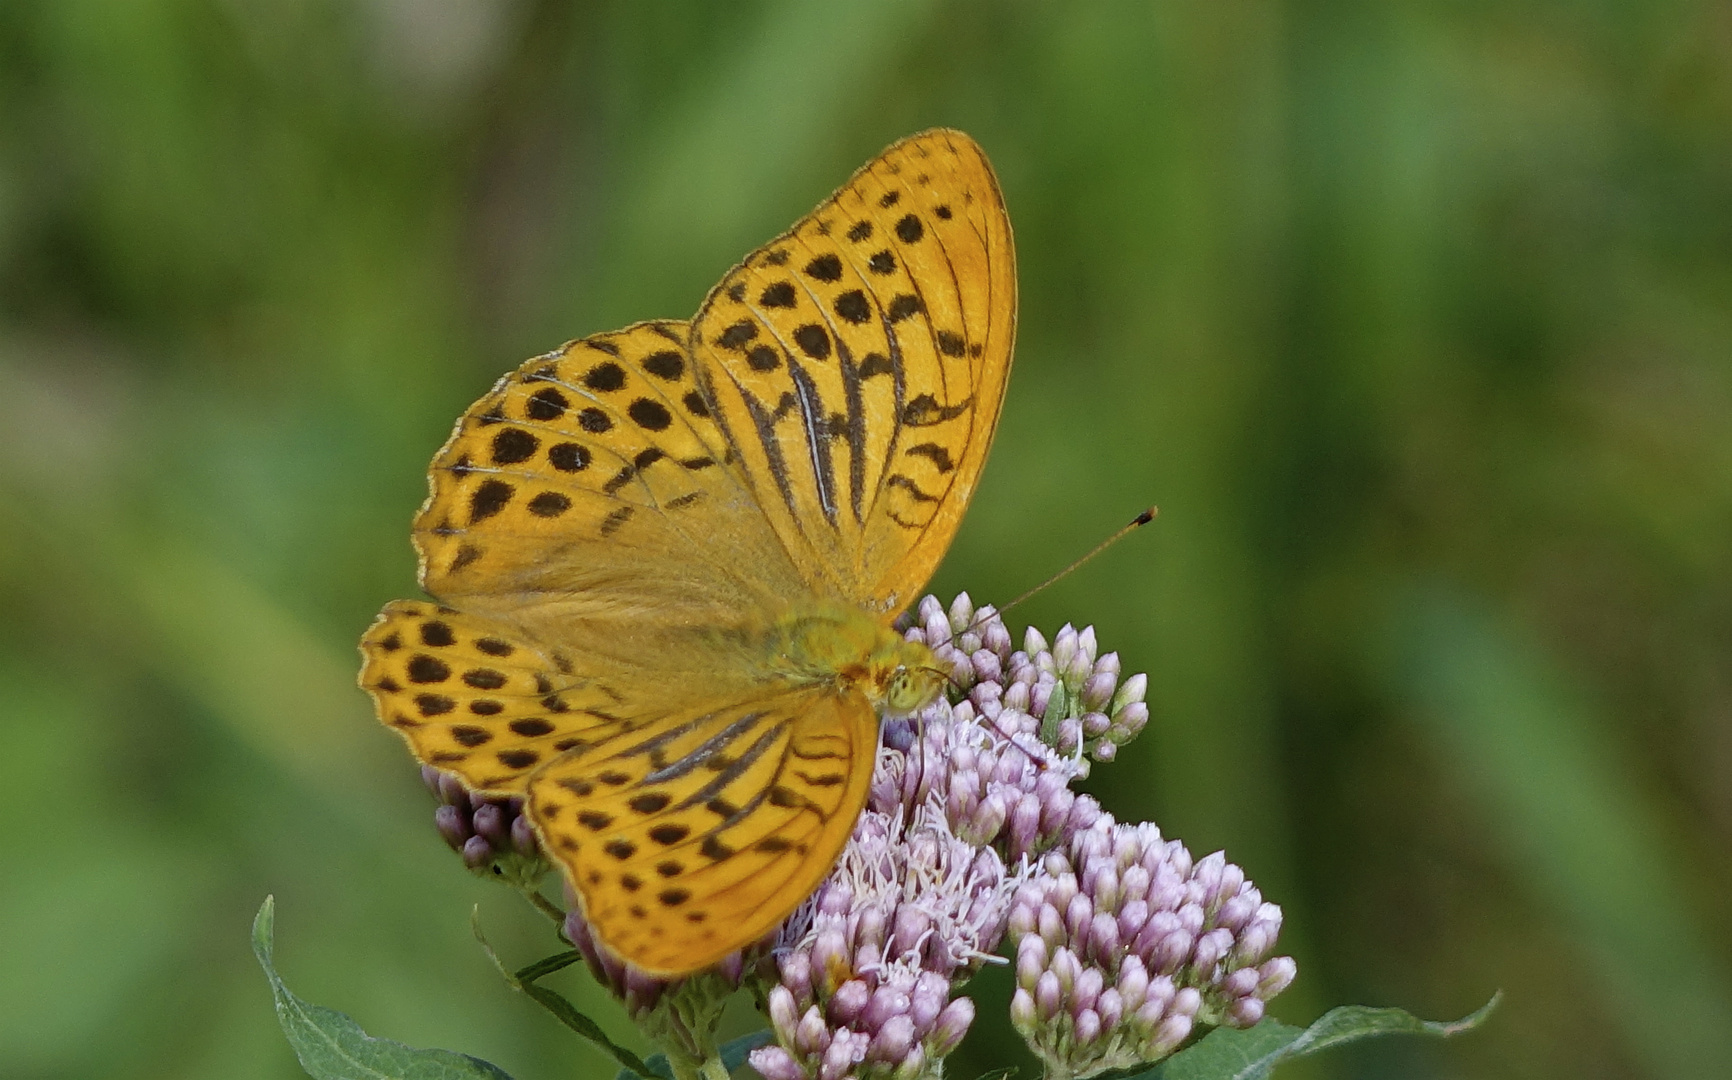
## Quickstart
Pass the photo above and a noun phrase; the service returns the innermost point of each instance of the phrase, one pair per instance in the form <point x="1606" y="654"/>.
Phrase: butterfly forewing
<point x="696" y="835"/>
<point x="858" y="363"/>
<point x="579" y="470"/>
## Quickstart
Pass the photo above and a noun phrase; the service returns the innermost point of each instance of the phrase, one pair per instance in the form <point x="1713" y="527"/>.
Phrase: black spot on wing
<point x="853" y="307"/>
<point x="938" y="455"/>
<point x="903" y="306"/>
<point x="548" y="404"/>
<point x="826" y="267"/>
<point x="514" y="445"/>
<point x="666" y="364"/>
<point x="489" y="499"/>
<point x="605" y="377"/>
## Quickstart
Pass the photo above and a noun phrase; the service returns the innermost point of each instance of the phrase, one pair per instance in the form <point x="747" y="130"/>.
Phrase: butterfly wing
<point x="697" y="834"/>
<point x="858" y="362"/>
<point x="476" y="698"/>
<point x="590" y="499"/>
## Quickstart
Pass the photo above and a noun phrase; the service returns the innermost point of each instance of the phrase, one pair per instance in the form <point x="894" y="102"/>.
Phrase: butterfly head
<point x="908" y="689"/>
<point x="907" y="677"/>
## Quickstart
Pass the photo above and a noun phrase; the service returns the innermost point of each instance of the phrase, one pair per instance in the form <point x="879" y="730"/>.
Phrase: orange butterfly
<point x="668" y="558"/>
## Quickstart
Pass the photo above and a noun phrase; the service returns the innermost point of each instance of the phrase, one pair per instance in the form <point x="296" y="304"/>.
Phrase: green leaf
<point x="733" y="1055"/>
<point x="331" y="1046"/>
<point x="1253" y="1053"/>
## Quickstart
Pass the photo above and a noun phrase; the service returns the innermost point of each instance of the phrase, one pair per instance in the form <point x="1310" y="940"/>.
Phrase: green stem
<point x="541" y="903"/>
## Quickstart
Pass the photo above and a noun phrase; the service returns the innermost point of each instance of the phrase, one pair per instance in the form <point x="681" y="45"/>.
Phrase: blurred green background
<point x="1416" y="320"/>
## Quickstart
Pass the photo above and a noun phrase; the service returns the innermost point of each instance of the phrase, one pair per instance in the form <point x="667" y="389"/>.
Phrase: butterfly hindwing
<point x="858" y="363"/>
<point x="697" y="834"/>
<point x="474" y="698"/>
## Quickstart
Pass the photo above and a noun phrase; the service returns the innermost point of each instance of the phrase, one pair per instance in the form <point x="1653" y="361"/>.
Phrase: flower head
<point x="865" y="982"/>
<point x="1124" y="945"/>
<point x="493" y="835"/>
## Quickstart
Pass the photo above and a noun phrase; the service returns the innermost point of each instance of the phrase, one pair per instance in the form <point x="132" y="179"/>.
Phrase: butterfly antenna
<point x="1136" y="523"/>
<point x="979" y="618"/>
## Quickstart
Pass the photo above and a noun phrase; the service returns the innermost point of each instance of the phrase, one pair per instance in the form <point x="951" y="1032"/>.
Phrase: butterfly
<point x="667" y="559"/>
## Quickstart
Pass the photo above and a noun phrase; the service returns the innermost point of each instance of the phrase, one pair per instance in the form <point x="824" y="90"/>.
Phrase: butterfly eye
<point x="911" y="688"/>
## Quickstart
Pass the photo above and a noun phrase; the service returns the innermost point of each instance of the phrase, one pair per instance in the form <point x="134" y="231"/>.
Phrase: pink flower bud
<point x="1051" y="925"/>
<point x="831" y="958"/>
<point x="1241" y="983"/>
<point x="1077" y="916"/>
<point x="844" y="1052"/>
<point x="961" y="613"/>
<point x="1031" y="959"/>
<point x="847" y="1003"/>
<point x="1067" y="967"/>
<point x="1191" y="918"/>
<point x="1131" y="719"/>
<point x="523" y="836"/>
<point x="476" y="852"/>
<point x="1277" y="974"/>
<point x="953" y="1024"/>
<point x="892" y="1041"/>
<point x="1207" y="874"/>
<point x="1132" y="915"/>
<point x="1087" y="990"/>
<point x="1025" y="823"/>
<point x="1104" y="937"/>
<point x="811" y="1036"/>
<point x="1171" y="952"/>
<point x="453" y="825"/>
<point x="1131" y="692"/>
<point x="913" y="1066"/>
<point x="931" y="993"/>
<point x="775" y="1063"/>
<point x="1111" y="1008"/>
<point x="1088" y="1027"/>
<point x="1033" y="642"/>
<point x="1133" y="982"/>
<point x="784" y="1016"/>
<point x="1245" y="1012"/>
<point x="1040" y="696"/>
<point x="1236" y="911"/>
<point x="1254" y="943"/>
<point x="1211" y="949"/>
<point x="869" y="928"/>
<point x="886" y="1001"/>
<point x="1047" y="995"/>
<point x="1232" y="881"/>
<point x="1086" y="813"/>
<point x="1171" y="1032"/>
<point x="911" y="927"/>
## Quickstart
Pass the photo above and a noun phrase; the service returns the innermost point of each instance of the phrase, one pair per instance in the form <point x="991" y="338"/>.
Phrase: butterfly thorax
<point x="850" y="651"/>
